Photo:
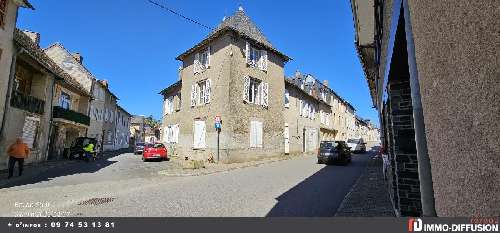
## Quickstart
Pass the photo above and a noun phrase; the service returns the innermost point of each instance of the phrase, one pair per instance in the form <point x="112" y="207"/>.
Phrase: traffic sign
<point x="218" y="125"/>
<point x="217" y="119"/>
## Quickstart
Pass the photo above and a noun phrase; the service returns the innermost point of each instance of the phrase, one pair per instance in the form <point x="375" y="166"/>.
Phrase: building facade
<point x="433" y="77"/>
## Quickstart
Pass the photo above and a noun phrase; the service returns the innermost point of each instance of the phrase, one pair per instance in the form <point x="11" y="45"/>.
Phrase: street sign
<point x="217" y="119"/>
<point x="218" y="125"/>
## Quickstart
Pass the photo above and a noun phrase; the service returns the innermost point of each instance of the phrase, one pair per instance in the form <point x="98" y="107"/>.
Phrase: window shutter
<point x="263" y="54"/>
<point x="300" y="108"/>
<point x="202" y="136"/>
<point x="193" y="95"/>
<point x="259" y="134"/>
<point x="175" y="133"/>
<point x="253" y="134"/>
<point x="246" y="87"/>
<point x="209" y="51"/>
<point x="287" y="99"/>
<point x="196" y="63"/>
<point x="208" y="91"/>
<point x="247" y="52"/>
<point x="30" y="129"/>
<point x="171" y="105"/>
<point x="257" y="97"/>
<point x="265" y="94"/>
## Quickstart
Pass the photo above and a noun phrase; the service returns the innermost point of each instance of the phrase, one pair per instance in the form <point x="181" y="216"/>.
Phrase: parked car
<point x="76" y="149"/>
<point x="334" y="152"/>
<point x="138" y="148"/>
<point x="154" y="151"/>
<point x="357" y="145"/>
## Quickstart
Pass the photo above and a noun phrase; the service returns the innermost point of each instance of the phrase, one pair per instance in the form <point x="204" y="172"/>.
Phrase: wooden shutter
<point x="199" y="134"/>
<point x="253" y="134"/>
<point x="265" y="94"/>
<point x="208" y="91"/>
<point x="287" y="98"/>
<point x="259" y="134"/>
<point x="208" y="56"/>
<point x="193" y="95"/>
<point x="263" y="58"/>
<point x="196" y="63"/>
<point x="30" y="130"/>
<point x="176" y="133"/>
<point x="247" y="52"/>
<point x="246" y="87"/>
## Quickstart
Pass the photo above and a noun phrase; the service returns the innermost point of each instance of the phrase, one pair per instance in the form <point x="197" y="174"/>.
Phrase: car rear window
<point x="328" y="145"/>
<point x="158" y="145"/>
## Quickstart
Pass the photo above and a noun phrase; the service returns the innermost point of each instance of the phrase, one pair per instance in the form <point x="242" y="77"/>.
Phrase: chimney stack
<point x="34" y="36"/>
<point x="297" y="74"/>
<point x="104" y="83"/>
<point x="78" y="57"/>
<point x="325" y="83"/>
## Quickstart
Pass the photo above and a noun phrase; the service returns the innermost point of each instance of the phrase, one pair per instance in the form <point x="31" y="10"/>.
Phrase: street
<point x="125" y="186"/>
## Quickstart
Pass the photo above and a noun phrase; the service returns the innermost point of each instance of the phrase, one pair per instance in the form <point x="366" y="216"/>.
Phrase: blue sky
<point x="133" y="43"/>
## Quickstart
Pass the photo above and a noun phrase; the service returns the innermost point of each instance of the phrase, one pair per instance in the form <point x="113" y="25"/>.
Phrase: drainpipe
<point x="424" y="165"/>
<point x="51" y="118"/>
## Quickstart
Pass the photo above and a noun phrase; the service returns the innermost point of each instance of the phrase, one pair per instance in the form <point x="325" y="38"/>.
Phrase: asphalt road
<point x="297" y="187"/>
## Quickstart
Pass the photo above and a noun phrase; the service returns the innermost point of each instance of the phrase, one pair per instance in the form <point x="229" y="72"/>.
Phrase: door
<point x="287" y="139"/>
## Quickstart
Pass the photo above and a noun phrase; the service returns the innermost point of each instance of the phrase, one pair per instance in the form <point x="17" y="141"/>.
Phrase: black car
<point x="76" y="149"/>
<point x="334" y="152"/>
<point x="139" y="148"/>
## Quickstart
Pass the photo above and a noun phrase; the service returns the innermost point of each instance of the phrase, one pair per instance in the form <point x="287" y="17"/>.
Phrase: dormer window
<point x="202" y="60"/>
<point x="256" y="58"/>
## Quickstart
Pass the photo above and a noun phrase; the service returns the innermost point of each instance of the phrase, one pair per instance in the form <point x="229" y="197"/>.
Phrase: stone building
<point x="103" y="107"/>
<point x="8" y="19"/>
<point x="432" y="70"/>
<point x="137" y="129"/>
<point x="32" y="89"/>
<point x="234" y="73"/>
<point x="122" y="135"/>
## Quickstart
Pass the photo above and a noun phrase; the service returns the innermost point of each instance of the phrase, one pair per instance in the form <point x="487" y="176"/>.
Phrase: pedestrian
<point x="17" y="153"/>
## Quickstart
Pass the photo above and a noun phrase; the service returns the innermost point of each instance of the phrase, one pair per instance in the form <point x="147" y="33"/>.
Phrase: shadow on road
<point x="44" y="172"/>
<point x="321" y="194"/>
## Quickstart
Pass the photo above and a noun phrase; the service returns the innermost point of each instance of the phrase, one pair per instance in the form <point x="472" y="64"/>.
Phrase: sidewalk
<point x="33" y="169"/>
<point x="211" y="168"/>
<point x="369" y="196"/>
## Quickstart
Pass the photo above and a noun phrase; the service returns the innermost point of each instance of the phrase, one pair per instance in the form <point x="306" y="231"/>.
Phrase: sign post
<point x="218" y="126"/>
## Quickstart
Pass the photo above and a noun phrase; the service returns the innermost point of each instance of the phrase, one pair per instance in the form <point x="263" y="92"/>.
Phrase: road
<point x="296" y="187"/>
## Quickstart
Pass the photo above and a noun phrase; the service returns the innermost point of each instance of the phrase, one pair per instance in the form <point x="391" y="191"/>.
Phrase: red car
<point x="154" y="151"/>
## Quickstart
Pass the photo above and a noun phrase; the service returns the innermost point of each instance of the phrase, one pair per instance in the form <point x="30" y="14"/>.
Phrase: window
<point x="255" y="91"/>
<point x="256" y="134"/>
<point x="202" y="60"/>
<point x="172" y="134"/>
<point x="287" y="98"/>
<point x="169" y="105"/>
<point x="30" y="131"/>
<point x="201" y="92"/>
<point x="307" y="110"/>
<point x="255" y="57"/>
<point x="65" y="100"/>
<point x="3" y="12"/>
<point x="199" y="134"/>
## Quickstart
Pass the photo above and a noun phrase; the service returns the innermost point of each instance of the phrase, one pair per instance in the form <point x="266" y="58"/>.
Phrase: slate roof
<point x="244" y="26"/>
<point x="32" y="49"/>
<point x="169" y="88"/>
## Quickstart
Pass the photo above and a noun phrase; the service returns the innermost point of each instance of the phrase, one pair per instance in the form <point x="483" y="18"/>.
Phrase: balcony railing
<point x="71" y="115"/>
<point x="26" y="102"/>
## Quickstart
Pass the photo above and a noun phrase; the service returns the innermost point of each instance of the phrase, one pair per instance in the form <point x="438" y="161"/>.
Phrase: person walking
<point x="17" y="152"/>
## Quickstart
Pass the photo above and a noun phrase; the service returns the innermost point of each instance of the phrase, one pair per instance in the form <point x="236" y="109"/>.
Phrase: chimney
<point x="325" y="83"/>
<point x="104" y="83"/>
<point x="34" y="36"/>
<point x="78" y="57"/>
<point x="179" y="73"/>
<point x="297" y="74"/>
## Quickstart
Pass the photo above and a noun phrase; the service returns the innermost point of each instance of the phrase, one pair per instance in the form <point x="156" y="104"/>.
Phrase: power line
<point x="179" y="14"/>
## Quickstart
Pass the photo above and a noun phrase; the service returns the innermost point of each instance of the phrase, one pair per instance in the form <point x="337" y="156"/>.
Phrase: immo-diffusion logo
<point x="480" y="225"/>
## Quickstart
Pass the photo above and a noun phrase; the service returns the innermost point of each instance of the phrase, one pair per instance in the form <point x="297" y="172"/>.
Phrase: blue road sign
<point x="218" y="125"/>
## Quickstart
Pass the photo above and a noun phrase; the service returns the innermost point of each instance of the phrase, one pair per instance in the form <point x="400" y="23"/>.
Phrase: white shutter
<point x="253" y="134"/>
<point x="263" y="54"/>
<point x="300" y="108"/>
<point x="246" y="87"/>
<point x="259" y="134"/>
<point x="176" y="133"/>
<point x="196" y="63"/>
<point x="193" y="95"/>
<point x="208" y="91"/>
<point x="203" y="133"/>
<point x="257" y="96"/>
<point x="30" y="129"/>
<point x="287" y="98"/>
<point x="209" y="52"/>
<point x="314" y="113"/>
<point x="171" y="105"/>
<point x="265" y="94"/>
<point x="247" y="52"/>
